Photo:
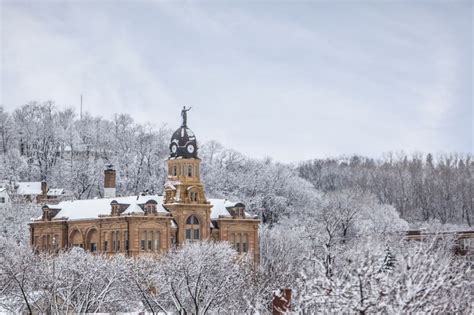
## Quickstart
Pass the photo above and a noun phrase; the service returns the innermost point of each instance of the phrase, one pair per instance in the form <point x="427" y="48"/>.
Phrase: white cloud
<point x="291" y="82"/>
<point x="41" y="64"/>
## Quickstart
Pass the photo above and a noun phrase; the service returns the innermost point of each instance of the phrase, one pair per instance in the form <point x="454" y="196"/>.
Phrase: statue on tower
<point x="184" y="114"/>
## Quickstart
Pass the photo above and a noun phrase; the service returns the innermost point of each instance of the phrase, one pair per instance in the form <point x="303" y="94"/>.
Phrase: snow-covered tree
<point x="202" y="278"/>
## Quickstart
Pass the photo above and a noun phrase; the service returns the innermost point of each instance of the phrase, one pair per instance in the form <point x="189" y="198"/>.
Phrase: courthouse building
<point x="149" y="224"/>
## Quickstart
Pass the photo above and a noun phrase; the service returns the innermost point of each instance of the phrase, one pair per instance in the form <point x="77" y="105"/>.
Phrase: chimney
<point x="44" y="188"/>
<point x="109" y="181"/>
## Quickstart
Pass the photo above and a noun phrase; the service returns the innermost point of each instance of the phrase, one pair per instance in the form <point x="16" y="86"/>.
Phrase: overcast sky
<point x="290" y="81"/>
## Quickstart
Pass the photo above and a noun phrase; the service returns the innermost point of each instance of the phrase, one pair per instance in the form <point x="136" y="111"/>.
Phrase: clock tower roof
<point x="183" y="142"/>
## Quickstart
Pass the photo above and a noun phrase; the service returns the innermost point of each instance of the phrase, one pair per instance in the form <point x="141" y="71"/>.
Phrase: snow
<point x="93" y="208"/>
<point x="218" y="208"/>
<point x="190" y="133"/>
<point x="29" y="188"/>
<point x="133" y="209"/>
<point x="171" y="184"/>
<point x="55" y="192"/>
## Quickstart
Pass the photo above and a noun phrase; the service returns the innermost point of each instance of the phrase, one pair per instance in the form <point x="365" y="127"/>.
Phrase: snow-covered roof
<point x="219" y="207"/>
<point x="133" y="209"/>
<point x="93" y="208"/>
<point x="29" y="188"/>
<point x="55" y="192"/>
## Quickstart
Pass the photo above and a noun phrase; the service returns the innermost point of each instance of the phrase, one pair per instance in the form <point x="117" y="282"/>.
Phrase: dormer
<point x="46" y="213"/>
<point x="115" y="208"/>
<point x="150" y="207"/>
<point x="237" y="211"/>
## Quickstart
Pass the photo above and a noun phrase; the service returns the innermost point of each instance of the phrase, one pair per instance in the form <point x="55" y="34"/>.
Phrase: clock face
<point x="190" y="148"/>
<point x="174" y="148"/>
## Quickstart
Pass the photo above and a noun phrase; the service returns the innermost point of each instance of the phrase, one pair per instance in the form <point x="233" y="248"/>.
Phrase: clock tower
<point x="184" y="192"/>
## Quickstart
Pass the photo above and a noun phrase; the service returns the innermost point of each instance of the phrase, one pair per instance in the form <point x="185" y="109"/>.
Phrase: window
<point x="192" y="220"/>
<point x="175" y="172"/>
<point x="43" y="242"/>
<point x="106" y="246"/>
<point x="143" y="241"/>
<point x="115" y="241"/>
<point x="55" y="241"/>
<point x="240" y="242"/>
<point x="2" y="199"/>
<point x="232" y="240"/>
<point x="193" y="196"/>
<point x="93" y="247"/>
<point x="114" y="244"/>
<point x="237" y="242"/>
<point x="157" y="241"/>
<point x="190" y="171"/>
<point x="117" y="237"/>
<point x="465" y="243"/>
<point x="245" y="243"/>
<point x="126" y="241"/>
<point x="192" y="229"/>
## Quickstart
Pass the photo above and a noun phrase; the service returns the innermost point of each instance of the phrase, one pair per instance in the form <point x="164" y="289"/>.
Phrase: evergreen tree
<point x="389" y="260"/>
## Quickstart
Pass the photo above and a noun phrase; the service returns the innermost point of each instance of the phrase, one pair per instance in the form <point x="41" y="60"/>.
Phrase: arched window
<point x="192" y="229"/>
<point x="190" y="171"/>
<point x="175" y="171"/>
<point x="92" y="240"/>
<point x="75" y="239"/>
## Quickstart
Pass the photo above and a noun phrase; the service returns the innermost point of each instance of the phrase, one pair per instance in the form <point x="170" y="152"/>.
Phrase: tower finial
<point x="184" y="115"/>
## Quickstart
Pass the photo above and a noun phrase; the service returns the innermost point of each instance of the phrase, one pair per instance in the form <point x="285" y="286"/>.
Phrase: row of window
<point x="240" y="242"/>
<point x="46" y="241"/>
<point x="183" y="170"/>
<point x="115" y="241"/>
<point x="150" y="241"/>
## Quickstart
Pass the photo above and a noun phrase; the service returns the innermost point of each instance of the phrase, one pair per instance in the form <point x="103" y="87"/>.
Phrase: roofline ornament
<point x="184" y="115"/>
